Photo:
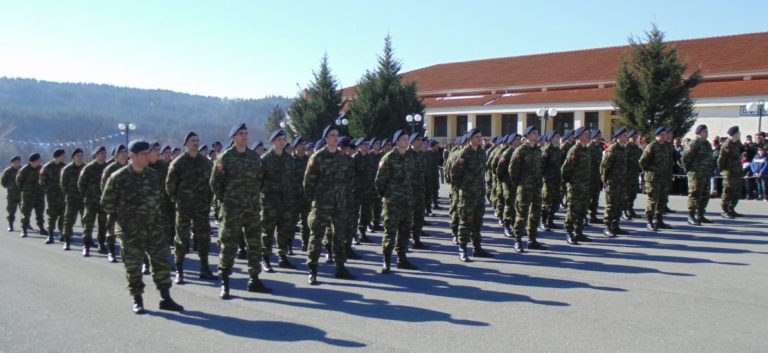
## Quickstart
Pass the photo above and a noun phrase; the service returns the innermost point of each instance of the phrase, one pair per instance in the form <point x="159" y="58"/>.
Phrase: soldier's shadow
<point x="254" y="329"/>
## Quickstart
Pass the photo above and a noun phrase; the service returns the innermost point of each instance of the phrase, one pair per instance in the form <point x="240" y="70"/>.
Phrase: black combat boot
<point x="518" y="244"/>
<point x="703" y="219"/>
<point x="618" y="230"/>
<point x="734" y="213"/>
<point x="508" y="229"/>
<point x="284" y="263"/>
<point x="138" y="304"/>
<point x="478" y="250"/>
<point x="224" y="293"/>
<point x="570" y="239"/>
<point x="312" y="278"/>
<point x="363" y="237"/>
<point x="329" y="253"/>
<point x="102" y="248"/>
<point x="42" y="229"/>
<point x="50" y="240"/>
<point x="651" y="224"/>
<point x="86" y="250"/>
<point x="463" y="253"/>
<point x="179" y="273"/>
<point x="544" y="224"/>
<point x="593" y="219"/>
<point x="608" y="230"/>
<point x="112" y="254"/>
<point x="625" y="215"/>
<point x="205" y="272"/>
<point x="660" y="222"/>
<point x="24" y="229"/>
<point x="255" y="285"/>
<point x="632" y="213"/>
<point x="692" y="218"/>
<point x="167" y="302"/>
<point x="342" y="272"/>
<point x="10" y="225"/>
<point x="726" y="213"/>
<point x="66" y="244"/>
<point x="385" y="267"/>
<point x="266" y="266"/>
<point x="455" y="239"/>
<point x="668" y="210"/>
<point x="533" y="244"/>
<point x="351" y="254"/>
<point x="403" y="263"/>
<point x="551" y="222"/>
<point x="581" y="237"/>
<point x="417" y="244"/>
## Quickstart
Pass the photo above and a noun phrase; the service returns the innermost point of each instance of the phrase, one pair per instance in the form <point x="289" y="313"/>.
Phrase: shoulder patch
<point x="573" y="156"/>
<point x="219" y="167"/>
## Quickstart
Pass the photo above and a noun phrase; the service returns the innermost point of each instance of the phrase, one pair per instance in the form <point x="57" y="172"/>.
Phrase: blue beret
<point x="567" y="134"/>
<point x="631" y="133"/>
<point x="191" y="134"/>
<point x="594" y="133"/>
<point x="660" y="129"/>
<point x="276" y="134"/>
<point x="544" y="138"/>
<point x="328" y="129"/>
<point x="580" y="131"/>
<point x="204" y="148"/>
<point x="176" y="149"/>
<point x="58" y="152"/>
<point x="297" y="141"/>
<point x="137" y="146"/>
<point x="511" y="138"/>
<point x="530" y="129"/>
<point x="216" y="143"/>
<point x="413" y="137"/>
<point x="373" y="141"/>
<point x="257" y="144"/>
<point x="319" y="144"/>
<point x="553" y="134"/>
<point x="154" y="144"/>
<point x="432" y="143"/>
<point x="397" y="135"/>
<point x="472" y="132"/>
<point x="15" y="158"/>
<point x="618" y="132"/>
<point x="99" y="149"/>
<point x="76" y="151"/>
<point x="733" y="130"/>
<point x="34" y="157"/>
<point x="345" y="141"/>
<point x="237" y="127"/>
<point x="700" y="128"/>
<point x="119" y="148"/>
<point x="166" y="148"/>
<point x="361" y="140"/>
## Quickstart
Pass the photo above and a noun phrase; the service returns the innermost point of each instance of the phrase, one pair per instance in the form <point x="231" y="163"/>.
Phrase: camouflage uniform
<point x="377" y="203"/>
<point x="418" y="199"/>
<point x="508" y="190"/>
<point x="32" y="196"/>
<point x="493" y="184"/>
<point x="277" y="210"/>
<point x="433" y="178"/>
<point x="50" y="181"/>
<point x="552" y="161"/>
<point x="729" y="163"/>
<point x="13" y="195"/>
<point x="395" y="184"/>
<point x="613" y="173"/>
<point x="525" y="172"/>
<point x="303" y="206"/>
<point x="235" y="180"/>
<point x="89" y="184"/>
<point x="365" y="193"/>
<point x="577" y="174"/>
<point x="564" y="148"/>
<point x="454" y="193"/>
<point x="73" y="198"/>
<point x="467" y="175"/>
<point x="187" y="186"/>
<point x="110" y="169"/>
<point x="656" y="161"/>
<point x="595" y="184"/>
<point x="699" y="164"/>
<point x="169" y="225"/>
<point x="633" y="177"/>
<point x="136" y="201"/>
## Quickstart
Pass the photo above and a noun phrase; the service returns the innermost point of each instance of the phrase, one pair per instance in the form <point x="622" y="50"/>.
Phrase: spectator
<point x="717" y="182"/>
<point x="745" y="165"/>
<point x="759" y="168"/>
<point x="750" y="148"/>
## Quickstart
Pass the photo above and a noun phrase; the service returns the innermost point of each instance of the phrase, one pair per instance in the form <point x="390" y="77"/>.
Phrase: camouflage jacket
<point x="69" y="178"/>
<point x="89" y="182"/>
<point x="8" y="181"/>
<point x="525" y="167"/>
<point x="187" y="182"/>
<point x="50" y="179"/>
<point x="698" y="158"/>
<point x="656" y="161"/>
<point x="469" y="170"/>
<point x="28" y="180"/>
<point x="633" y="159"/>
<point x="394" y="178"/>
<point x="551" y="162"/>
<point x="729" y="161"/>
<point x="236" y="179"/>
<point x="278" y="180"/>
<point x="299" y="168"/>
<point x="613" y="168"/>
<point x="577" y="168"/>
<point x="364" y="176"/>
<point x="596" y="149"/>
<point x="109" y="170"/>
<point x="320" y="179"/>
<point x="136" y="200"/>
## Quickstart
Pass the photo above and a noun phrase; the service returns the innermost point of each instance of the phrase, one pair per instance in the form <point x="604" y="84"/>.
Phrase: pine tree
<point x="651" y="88"/>
<point x="382" y="100"/>
<point x="275" y="116"/>
<point x="319" y="105"/>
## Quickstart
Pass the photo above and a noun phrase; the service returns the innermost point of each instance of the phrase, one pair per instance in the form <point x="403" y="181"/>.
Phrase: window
<point x="508" y="123"/>
<point x="532" y="119"/>
<point x="591" y="120"/>
<point x="441" y="125"/>
<point x="461" y="125"/>
<point x="484" y="124"/>
<point x="563" y="121"/>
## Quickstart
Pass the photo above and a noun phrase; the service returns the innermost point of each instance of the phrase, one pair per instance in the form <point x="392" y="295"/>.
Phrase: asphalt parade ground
<point x="689" y="289"/>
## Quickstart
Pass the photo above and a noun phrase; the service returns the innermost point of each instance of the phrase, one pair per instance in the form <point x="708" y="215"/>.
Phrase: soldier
<point x="13" y="195"/>
<point x="236" y="180"/>
<point x="175" y="153"/>
<point x="324" y="192"/>
<point x="303" y="206"/>
<point x="595" y="184"/>
<point x="551" y="162"/>
<point x="576" y="172"/>
<point x="491" y="180"/>
<point x="187" y="186"/>
<point x="467" y="174"/>
<point x="364" y="186"/>
<point x="729" y="163"/>
<point x="567" y="142"/>
<point x="32" y="194"/>
<point x="73" y="198"/>
<point x="120" y="159"/>
<point x="698" y="162"/>
<point x="453" y="194"/>
<point x="525" y="173"/>
<point x="258" y="146"/>
<point x="89" y="184"/>
<point x="50" y="181"/>
<point x="161" y="166"/>
<point x="166" y="154"/>
<point x="508" y="189"/>
<point x="134" y="197"/>
<point x="613" y="174"/>
<point x="394" y="183"/>
<point x="376" y="154"/>
<point x="277" y="206"/>
<point x="633" y="174"/>
<point x="656" y="163"/>
<point x="346" y="179"/>
<point x="433" y="176"/>
<point x="418" y="186"/>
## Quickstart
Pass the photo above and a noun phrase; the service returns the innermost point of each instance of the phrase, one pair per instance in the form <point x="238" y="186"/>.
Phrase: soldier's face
<point x="584" y="137"/>
<point x="533" y="137"/>
<point x="736" y="136"/>
<point x="402" y="142"/>
<point x="35" y="164"/>
<point x="661" y="137"/>
<point x="78" y="158"/>
<point x="261" y="150"/>
<point x="213" y="155"/>
<point x="417" y="145"/>
<point x="241" y="138"/>
<point x="140" y="159"/>
<point x="555" y="142"/>
<point x="376" y="146"/>
<point x="193" y="144"/>
<point x="122" y="156"/>
<point x="279" y="143"/>
<point x="59" y="159"/>
<point x="476" y="140"/>
<point x="623" y="138"/>
<point x="154" y="154"/>
<point x="332" y="139"/>
<point x="16" y="164"/>
<point x="166" y="155"/>
<point x="217" y="147"/>
<point x="363" y="147"/>
<point x="301" y="148"/>
<point x="101" y="156"/>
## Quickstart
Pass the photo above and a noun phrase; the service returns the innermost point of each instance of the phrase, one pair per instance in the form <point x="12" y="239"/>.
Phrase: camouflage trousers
<point x="453" y="211"/>
<point x="146" y="242"/>
<point x="550" y="198"/>
<point x="237" y="224"/>
<point x="615" y="196"/>
<point x="417" y="216"/>
<point x="655" y="189"/>
<point x="94" y="214"/>
<point x="377" y="209"/>
<point x="365" y="212"/>
<point x="32" y="203"/>
<point x="698" y="193"/>
<point x="527" y="210"/>
<point x="276" y="222"/>
<point x="633" y="185"/>
<point x="595" y="186"/>
<point x="434" y="189"/>
<point x="55" y="211"/>
<point x="470" y="209"/>
<point x="326" y="216"/>
<point x="301" y="216"/>
<point x="200" y="225"/>
<point x="74" y="206"/>
<point x="577" y="197"/>
<point x="731" y="191"/>
<point x="12" y="203"/>
<point x="508" y="199"/>
<point x="398" y="218"/>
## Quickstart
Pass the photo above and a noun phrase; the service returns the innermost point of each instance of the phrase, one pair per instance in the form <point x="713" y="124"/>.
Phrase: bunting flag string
<point x="75" y="143"/>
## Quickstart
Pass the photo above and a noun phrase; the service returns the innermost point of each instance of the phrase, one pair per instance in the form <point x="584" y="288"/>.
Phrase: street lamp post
<point x="413" y="120"/>
<point x="544" y="114"/>
<point x="342" y="123"/>
<point x="126" y="129"/>
<point x="760" y="108"/>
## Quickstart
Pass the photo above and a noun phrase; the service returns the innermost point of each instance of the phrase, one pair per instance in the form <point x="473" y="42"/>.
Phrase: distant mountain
<point x="51" y="112"/>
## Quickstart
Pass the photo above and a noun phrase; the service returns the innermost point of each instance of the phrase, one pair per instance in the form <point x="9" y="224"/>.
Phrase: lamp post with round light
<point x="544" y="114"/>
<point x="126" y="129"/>
<point x="760" y="108"/>
<point x="342" y="123"/>
<point x="413" y="120"/>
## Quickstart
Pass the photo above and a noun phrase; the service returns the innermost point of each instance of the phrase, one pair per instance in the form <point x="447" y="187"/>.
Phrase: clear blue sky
<point x="249" y="49"/>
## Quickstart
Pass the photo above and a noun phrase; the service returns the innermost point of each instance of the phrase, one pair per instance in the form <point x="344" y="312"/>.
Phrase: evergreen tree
<point x="382" y="100"/>
<point x="651" y="89"/>
<point x="319" y="105"/>
<point x="274" y="118"/>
